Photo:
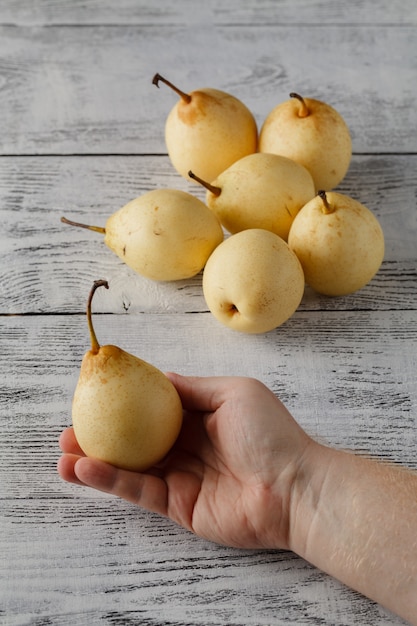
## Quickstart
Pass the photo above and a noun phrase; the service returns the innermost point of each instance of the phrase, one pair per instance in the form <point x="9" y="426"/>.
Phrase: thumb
<point x="200" y="393"/>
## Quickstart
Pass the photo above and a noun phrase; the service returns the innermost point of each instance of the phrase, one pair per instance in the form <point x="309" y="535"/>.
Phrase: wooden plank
<point x="46" y="266"/>
<point x="165" y="12"/>
<point x="88" y="90"/>
<point x="83" y="556"/>
<point x="75" y="84"/>
<point x="348" y="377"/>
<point x="104" y="562"/>
<point x="90" y="560"/>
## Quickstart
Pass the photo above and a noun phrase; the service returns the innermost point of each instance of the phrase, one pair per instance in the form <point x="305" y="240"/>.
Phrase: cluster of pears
<point x="272" y="192"/>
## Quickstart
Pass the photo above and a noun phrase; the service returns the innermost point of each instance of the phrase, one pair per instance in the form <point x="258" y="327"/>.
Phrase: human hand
<point x="243" y="473"/>
<point x="230" y="474"/>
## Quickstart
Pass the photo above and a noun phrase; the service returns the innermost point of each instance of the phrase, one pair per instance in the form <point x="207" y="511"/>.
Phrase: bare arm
<point x="243" y="473"/>
<point x="356" y="519"/>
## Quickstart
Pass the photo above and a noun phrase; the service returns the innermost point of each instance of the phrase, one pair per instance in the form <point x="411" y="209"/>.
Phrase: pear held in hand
<point x="165" y="234"/>
<point x="125" y="411"/>
<point x="339" y="242"/>
<point x="207" y="130"/>
<point x="259" y="191"/>
<point x="253" y="282"/>
<point x="312" y="133"/>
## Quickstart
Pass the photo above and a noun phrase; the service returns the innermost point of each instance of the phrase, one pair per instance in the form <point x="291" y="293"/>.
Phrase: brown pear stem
<point x="214" y="190"/>
<point x="95" y="346"/>
<point x="327" y="208"/>
<point x="97" y="229"/>
<point x="185" y="96"/>
<point x="303" y="110"/>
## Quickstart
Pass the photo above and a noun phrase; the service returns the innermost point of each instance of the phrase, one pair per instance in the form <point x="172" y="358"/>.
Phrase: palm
<point x="222" y="479"/>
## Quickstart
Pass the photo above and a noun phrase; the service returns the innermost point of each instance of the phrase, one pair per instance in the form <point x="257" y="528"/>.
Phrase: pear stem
<point x="303" y="110"/>
<point x="97" y="229"/>
<point x="185" y="96"/>
<point x="212" y="188"/>
<point x="95" y="346"/>
<point x="326" y="206"/>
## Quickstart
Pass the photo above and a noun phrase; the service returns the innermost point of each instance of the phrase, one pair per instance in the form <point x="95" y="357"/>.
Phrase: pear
<point x="253" y="282"/>
<point x="165" y="234"/>
<point x="259" y="191"/>
<point x="339" y="243"/>
<point x="207" y="130"/>
<point x="124" y="411"/>
<point x="312" y="133"/>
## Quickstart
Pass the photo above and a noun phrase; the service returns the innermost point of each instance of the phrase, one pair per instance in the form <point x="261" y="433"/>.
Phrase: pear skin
<point x="310" y="132"/>
<point x="207" y="130"/>
<point x="163" y="235"/>
<point x="125" y="411"/>
<point x="260" y="191"/>
<point x="253" y="282"/>
<point x="339" y="242"/>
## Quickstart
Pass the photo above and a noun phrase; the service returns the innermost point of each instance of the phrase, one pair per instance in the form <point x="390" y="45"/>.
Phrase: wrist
<point x="310" y="489"/>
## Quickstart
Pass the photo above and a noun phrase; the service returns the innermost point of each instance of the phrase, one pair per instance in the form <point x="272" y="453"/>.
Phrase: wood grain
<point x="47" y="266"/>
<point x="351" y="392"/>
<point x="82" y="133"/>
<point x="354" y="399"/>
<point x="185" y="581"/>
<point x="58" y="94"/>
<point x="167" y="13"/>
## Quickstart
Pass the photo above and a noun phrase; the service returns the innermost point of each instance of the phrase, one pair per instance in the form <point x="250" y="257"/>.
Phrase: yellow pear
<point x="208" y="130"/>
<point x="312" y="133"/>
<point x="165" y="234"/>
<point x="339" y="243"/>
<point x="259" y="191"/>
<point x="124" y="411"/>
<point x="253" y="282"/>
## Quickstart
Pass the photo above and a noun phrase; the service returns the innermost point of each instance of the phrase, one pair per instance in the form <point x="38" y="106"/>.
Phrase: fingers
<point x="68" y="442"/>
<point x="203" y="393"/>
<point x="66" y="466"/>
<point x="145" y="490"/>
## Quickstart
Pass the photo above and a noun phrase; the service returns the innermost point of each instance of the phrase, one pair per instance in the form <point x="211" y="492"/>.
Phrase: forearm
<point x="356" y="519"/>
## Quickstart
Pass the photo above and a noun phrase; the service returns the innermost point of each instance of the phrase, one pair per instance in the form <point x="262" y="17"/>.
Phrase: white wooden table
<point x="81" y="133"/>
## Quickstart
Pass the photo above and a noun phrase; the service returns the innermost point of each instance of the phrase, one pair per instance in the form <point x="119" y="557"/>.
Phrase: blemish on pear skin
<point x="191" y="113"/>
